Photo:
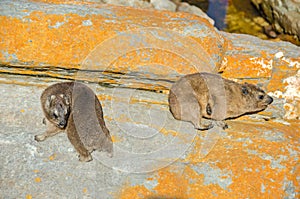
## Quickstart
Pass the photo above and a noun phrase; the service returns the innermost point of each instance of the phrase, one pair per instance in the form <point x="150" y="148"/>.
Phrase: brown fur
<point x="74" y="107"/>
<point x="205" y="95"/>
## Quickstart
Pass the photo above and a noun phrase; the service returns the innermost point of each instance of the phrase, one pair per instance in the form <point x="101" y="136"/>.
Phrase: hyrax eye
<point x="261" y="97"/>
<point x="244" y="90"/>
<point x="55" y="114"/>
<point x="208" y="109"/>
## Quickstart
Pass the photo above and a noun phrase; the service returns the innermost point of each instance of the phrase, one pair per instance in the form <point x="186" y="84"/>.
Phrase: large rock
<point x="185" y="7"/>
<point x="284" y="14"/>
<point x="131" y="57"/>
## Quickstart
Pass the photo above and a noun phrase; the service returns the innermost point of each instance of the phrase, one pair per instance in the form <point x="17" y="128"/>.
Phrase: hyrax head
<point x="58" y="109"/>
<point x="254" y="99"/>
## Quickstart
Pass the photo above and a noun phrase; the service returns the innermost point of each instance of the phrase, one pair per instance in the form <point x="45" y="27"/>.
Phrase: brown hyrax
<point x="74" y="107"/>
<point x="205" y="95"/>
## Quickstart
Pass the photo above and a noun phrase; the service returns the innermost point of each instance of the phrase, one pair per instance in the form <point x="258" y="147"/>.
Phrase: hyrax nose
<point x="62" y="123"/>
<point x="269" y="100"/>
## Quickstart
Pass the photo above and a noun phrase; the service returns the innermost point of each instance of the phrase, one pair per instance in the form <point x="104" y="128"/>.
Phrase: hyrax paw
<point x="39" y="138"/>
<point x="221" y="124"/>
<point x="85" y="158"/>
<point x="225" y="126"/>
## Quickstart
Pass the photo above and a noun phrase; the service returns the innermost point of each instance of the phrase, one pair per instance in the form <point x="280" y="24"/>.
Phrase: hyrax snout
<point x="74" y="107"/>
<point x="205" y="95"/>
<point x="59" y="109"/>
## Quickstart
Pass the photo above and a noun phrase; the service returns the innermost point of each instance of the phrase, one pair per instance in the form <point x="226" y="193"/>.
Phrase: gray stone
<point x="164" y="5"/>
<point x="284" y="14"/>
<point x="185" y="7"/>
<point x="132" y="3"/>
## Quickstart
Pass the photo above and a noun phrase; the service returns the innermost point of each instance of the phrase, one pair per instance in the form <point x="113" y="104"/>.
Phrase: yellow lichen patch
<point x="156" y="61"/>
<point x="122" y="118"/>
<point x="62" y="2"/>
<point x="168" y="132"/>
<point x="28" y="196"/>
<point x="257" y="156"/>
<point x="36" y="37"/>
<point x="116" y="138"/>
<point x="22" y="110"/>
<point x="276" y="83"/>
<point x="149" y="102"/>
<point x="37" y="179"/>
<point x="103" y="97"/>
<point x="66" y="40"/>
<point x="52" y="157"/>
<point x="84" y="190"/>
<point x="241" y="66"/>
<point x="134" y="192"/>
<point x="286" y="85"/>
<point x="36" y="171"/>
<point x="171" y="184"/>
<point x="199" y="189"/>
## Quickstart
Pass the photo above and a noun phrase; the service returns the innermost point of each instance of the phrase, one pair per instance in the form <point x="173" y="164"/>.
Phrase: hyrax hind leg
<point x="51" y="131"/>
<point x="84" y="154"/>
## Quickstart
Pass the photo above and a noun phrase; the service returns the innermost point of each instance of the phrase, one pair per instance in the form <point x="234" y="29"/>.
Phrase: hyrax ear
<point x="245" y="89"/>
<point x="208" y="109"/>
<point x="49" y="100"/>
<point x="67" y="99"/>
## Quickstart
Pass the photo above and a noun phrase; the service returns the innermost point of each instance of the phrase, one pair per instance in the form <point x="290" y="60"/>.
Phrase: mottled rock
<point x="203" y="4"/>
<point x="185" y="7"/>
<point x="100" y="33"/>
<point x="130" y="58"/>
<point x="284" y="14"/>
<point x="170" y="5"/>
<point x="132" y="3"/>
<point x="163" y="5"/>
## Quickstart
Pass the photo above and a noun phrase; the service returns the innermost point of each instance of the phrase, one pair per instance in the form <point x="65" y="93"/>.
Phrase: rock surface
<point x="284" y="14"/>
<point x="130" y="57"/>
<point x="169" y="5"/>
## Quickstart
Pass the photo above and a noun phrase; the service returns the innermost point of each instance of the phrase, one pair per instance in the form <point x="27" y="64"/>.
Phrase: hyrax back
<point x="205" y="95"/>
<point x="74" y="107"/>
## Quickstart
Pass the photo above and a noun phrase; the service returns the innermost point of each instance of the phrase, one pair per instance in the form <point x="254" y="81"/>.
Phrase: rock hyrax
<point x="205" y="95"/>
<point x="74" y="107"/>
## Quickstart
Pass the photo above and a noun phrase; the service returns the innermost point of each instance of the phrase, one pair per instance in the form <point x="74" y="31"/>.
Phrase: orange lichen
<point x="116" y="138"/>
<point x="63" y="40"/>
<point x="171" y="184"/>
<point x="84" y="190"/>
<point x="257" y="167"/>
<point x="37" y="179"/>
<point x="134" y="192"/>
<point x="28" y="196"/>
<point x="168" y="132"/>
<point x="247" y="153"/>
<point x="242" y="65"/>
<point x="144" y="101"/>
<point x="102" y="97"/>
<point x="52" y="157"/>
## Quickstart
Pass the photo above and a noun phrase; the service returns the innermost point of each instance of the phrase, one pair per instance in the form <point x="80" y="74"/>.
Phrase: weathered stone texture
<point x="131" y="57"/>
<point x="284" y="14"/>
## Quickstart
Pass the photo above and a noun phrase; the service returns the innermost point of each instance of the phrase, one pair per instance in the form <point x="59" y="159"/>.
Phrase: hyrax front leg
<point x="221" y="124"/>
<point x="51" y="131"/>
<point x="203" y="124"/>
<point x="216" y="121"/>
